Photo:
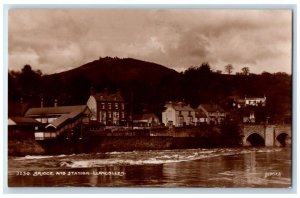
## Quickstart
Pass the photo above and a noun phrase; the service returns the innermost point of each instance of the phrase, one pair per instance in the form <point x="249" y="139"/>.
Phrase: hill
<point x="143" y="82"/>
<point x="120" y="70"/>
<point x="147" y="86"/>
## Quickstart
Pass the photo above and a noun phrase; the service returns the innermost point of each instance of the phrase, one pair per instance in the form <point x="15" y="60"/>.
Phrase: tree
<point x="204" y="68"/>
<point x="228" y="68"/>
<point x="245" y="70"/>
<point x="231" y="133"/>
<point x="30" y="81"/>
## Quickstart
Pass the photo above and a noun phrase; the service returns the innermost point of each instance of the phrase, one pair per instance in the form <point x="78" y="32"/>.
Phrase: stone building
<point x="107" y="108"/>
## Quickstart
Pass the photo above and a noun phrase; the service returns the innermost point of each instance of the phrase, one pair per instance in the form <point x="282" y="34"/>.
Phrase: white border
<point x="153" y="3"/>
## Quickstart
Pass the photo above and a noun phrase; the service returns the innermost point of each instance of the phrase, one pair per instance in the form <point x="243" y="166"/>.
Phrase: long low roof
<point x="21" y="121"/>
<point x="62" y="119"/>
<point x="60" y="110"/>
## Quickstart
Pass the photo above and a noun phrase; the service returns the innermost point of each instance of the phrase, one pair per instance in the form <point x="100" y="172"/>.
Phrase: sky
<point x="55" y="40"/>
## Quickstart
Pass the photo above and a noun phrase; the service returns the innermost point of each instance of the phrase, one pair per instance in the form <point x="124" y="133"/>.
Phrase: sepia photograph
<point x="152" y="97"/>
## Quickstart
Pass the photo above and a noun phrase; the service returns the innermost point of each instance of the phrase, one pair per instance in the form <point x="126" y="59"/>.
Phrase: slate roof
<point x="100" y="97"/>
<point x="60" y="110"/>
<point x="145" y="116"/>
<point x="62" y="119"/>
<point x="212" y="108"/>
<point x="200" y="113"/>
<point x="23" y="121"/>
<point x="183" y="108"/>
<point x="180" y="106"/>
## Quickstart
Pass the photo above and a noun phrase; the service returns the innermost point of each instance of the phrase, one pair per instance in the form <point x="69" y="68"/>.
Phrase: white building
<point x="178" y="114"/>
<point x="256" y="101"/>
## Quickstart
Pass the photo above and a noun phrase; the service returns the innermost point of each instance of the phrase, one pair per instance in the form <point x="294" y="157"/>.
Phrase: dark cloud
<point x="56" y="40"/>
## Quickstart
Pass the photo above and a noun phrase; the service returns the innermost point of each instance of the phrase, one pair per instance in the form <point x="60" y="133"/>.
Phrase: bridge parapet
<point x="269" y="133"/>
<point x="253" y="128"/>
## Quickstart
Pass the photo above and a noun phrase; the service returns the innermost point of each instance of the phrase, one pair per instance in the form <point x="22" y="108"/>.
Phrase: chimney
<point x="42" y="102"/>
<point x="55" y="103"/>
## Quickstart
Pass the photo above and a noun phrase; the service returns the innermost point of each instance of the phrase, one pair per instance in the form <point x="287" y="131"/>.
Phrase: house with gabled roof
<point x="200" y="117"/>
<point x="178" y="114"/>
<point x="145" y="120"/>
<point x="215" y="114"/>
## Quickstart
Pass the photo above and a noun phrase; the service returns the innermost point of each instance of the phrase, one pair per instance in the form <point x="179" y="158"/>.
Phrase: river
<point x="220" y="167"/>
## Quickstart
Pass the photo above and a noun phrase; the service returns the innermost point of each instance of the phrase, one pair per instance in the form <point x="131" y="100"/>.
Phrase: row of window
<point x="189" y="113"/>
<point x="115" y="105"/>
<point x="45" y="120"/>
<point x="109" y="114"/>
<point x="181" y="120"/>
<point x="113" y="123"/>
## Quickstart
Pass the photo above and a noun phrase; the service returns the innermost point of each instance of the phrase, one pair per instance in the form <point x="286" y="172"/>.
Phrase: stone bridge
<point x="266" y="135"/>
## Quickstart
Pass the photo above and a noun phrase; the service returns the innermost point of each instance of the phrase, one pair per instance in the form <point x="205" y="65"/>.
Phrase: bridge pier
<point x="269" y="135"/>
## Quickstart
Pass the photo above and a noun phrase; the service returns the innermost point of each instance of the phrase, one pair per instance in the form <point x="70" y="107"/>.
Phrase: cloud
<point x="55" y="40"/>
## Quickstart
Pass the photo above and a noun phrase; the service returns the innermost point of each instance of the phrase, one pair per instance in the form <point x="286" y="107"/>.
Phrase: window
<point x="102" y="116"/>
<point x="109" y="106"/>
<point x="190" y="119"/>
<point x="123" y="115"/>
<point x="180" y="121"/>
<point x="170" y="123"/>
<point x="102" y="105"/>
<point x="116" y="106"/>
<point x="109" y="114"/>
<point x="123" y="106"/>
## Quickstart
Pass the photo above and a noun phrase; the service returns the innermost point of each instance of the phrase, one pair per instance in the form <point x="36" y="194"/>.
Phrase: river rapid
<point x="220" y="167"/>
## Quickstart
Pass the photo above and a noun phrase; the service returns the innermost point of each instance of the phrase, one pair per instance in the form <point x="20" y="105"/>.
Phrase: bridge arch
<point x="254" y="139"/>
<point x="281" y="139"/>
<point x="273" y="135"/>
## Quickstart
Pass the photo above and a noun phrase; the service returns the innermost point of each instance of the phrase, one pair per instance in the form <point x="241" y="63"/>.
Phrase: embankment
<point x="118" y="141"/>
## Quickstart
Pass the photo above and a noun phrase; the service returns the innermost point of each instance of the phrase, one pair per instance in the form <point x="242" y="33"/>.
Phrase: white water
<point x="133" y="158"/>
<point x="220" y="167"/>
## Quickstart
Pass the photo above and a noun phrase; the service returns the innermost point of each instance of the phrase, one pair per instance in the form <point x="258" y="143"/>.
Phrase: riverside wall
<point x="116" y="141"/>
